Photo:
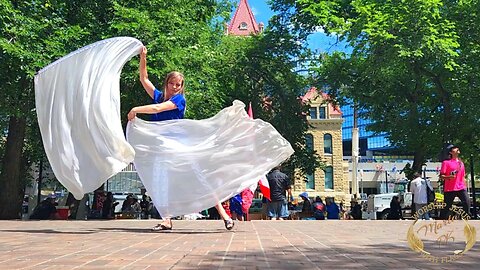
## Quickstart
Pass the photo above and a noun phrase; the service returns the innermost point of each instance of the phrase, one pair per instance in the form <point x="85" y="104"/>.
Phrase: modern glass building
<point x="370" y="144"/>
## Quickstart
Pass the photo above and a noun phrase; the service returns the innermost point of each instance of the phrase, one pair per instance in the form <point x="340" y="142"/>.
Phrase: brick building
<point x="326" y="132"/>
<point x="325" y="137"/>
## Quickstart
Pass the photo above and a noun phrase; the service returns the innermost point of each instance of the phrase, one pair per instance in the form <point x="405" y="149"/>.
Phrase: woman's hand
<point x="143" y="52"/>
<point x="131" y="115"/>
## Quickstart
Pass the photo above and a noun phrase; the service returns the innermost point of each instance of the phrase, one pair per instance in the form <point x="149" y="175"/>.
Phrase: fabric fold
<point x="190" y="165"/>
<point x="78" y="108"/>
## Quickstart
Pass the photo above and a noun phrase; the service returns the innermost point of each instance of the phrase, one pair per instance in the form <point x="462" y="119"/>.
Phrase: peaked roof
<point x="313" y="94"/>
<point x="243" y="22"/>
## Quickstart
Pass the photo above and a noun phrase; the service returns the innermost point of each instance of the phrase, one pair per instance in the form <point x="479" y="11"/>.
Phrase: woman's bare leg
<point x="222" y="212"/>
<point x="226" y="218"/>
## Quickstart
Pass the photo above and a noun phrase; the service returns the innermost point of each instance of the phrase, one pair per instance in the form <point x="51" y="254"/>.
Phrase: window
<point x="309" y="141"/>
<point x="310" y="181"/>
<point x="313" y="113"/>
<point x="243" y="26"/>
<point x="322" y="113"/>
<point x="347" y="133"/>
<point x="327" y="144"/>
<point x="378" y="141"/>
<point x="329" y="177"/>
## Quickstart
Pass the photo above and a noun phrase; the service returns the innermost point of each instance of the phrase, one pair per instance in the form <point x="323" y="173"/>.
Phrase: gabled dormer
<point x="320" y="107"/>
<point x="243" y="22"/>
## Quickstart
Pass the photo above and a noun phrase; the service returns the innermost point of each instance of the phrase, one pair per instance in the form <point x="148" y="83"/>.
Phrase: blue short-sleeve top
<point x="178" y="113"/>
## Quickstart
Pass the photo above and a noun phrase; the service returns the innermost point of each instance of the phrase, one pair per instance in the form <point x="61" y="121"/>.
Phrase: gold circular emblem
<point x="416" y="244"/>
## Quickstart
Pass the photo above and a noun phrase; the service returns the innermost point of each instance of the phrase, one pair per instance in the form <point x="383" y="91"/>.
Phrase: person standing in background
<point x="279" y="185"/>
<point x="418" y="187"/>
<point x="452" y="173"/>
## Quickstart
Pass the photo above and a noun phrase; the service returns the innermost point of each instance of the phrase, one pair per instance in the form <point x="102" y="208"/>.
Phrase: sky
<point x="318" y="41"/>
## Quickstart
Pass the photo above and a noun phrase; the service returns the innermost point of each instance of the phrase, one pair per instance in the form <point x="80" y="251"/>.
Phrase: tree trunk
<point x="11" y="187"/>
<point x="418" y="160"/>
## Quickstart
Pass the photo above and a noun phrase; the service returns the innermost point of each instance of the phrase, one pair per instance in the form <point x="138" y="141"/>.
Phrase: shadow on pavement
<point x="51" y="231"/>
<point x="383" y="256"/>
<point x="173" y="231"/>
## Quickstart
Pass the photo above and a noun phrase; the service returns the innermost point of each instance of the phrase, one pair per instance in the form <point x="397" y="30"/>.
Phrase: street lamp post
<point x="361" y="183"/>
<point x="355" y="153"/>
<point x="474" y="196"/>
<point x="386" y="181"/>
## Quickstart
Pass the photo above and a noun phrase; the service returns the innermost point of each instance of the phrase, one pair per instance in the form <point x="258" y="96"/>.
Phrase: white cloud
<point x="319" y="29"/>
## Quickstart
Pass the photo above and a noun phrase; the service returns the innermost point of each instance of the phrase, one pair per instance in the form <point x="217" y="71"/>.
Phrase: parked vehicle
<point x="378" y="205"/>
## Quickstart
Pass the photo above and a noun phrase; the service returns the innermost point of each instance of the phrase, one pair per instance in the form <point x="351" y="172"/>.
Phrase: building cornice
<point x="321" y="122"/>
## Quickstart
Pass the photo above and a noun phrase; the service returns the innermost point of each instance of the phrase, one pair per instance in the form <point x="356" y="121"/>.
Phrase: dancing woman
<point x="168" y="104"/>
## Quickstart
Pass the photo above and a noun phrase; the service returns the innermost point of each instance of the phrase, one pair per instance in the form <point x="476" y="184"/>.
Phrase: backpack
<point x="319" y="207"/>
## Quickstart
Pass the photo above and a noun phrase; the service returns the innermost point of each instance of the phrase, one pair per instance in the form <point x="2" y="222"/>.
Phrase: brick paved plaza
<point x="129" y="244"/>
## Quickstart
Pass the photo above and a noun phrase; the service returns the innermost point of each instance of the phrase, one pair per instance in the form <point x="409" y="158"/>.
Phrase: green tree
<point x="404" y="66"/>
<point x="261" y="70"/>
<point x="220" y="68"/>
<point x="36" y="33"/>
<point x="467" y="16"/>
<point x="31" y="33"/>
<point x="180" y="35"/>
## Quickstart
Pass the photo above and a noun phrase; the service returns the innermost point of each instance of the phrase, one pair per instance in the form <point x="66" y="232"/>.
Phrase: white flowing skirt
<point x="190" y="165"/>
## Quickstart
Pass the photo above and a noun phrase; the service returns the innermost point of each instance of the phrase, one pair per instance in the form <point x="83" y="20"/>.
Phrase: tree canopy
<point x="412" y="66"/>
<point x="180" y="35"/>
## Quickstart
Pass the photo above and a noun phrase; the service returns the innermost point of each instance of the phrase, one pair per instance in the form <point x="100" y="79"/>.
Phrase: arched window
<point x="310" y="181"/>
<point x="243" y="26"/>
<point x="327" y="144"/>
<point x="329" y="177"/>
<point x="309" y="141"/>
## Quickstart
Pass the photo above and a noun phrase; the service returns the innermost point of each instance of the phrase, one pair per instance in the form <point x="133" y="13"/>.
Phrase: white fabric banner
<point x="186" y="165"/>
<point x="78" y="108"/>
<point x="190" y="165"/>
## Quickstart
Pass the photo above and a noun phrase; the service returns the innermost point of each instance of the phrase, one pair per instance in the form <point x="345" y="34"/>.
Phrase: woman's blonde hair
<point x="171" y="75"/>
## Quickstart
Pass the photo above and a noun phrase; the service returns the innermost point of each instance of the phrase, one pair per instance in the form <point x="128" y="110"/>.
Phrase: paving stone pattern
<point x="205" y="244"/>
